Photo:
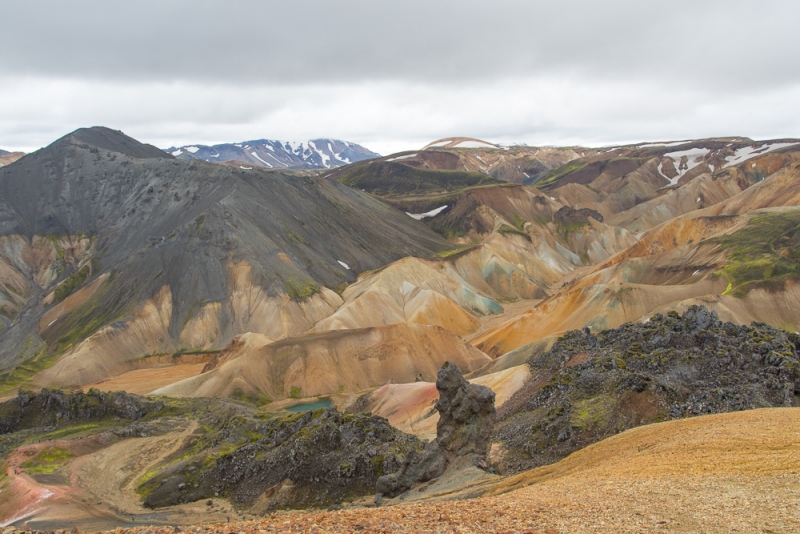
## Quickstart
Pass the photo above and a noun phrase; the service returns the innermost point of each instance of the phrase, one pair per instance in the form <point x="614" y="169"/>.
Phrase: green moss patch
<point x="505" y="229"/>
<point x="594" y="412"/>
<point x="255" y="398"/>
<point x="559" y="172"/>
<point x="47" y="461"/>
<point x="299" y="288"/>
<point x="387" y="178"/>
<point x="763" y="254"/>
<point x="20" y="374"/>
<point x="71" y="283"/>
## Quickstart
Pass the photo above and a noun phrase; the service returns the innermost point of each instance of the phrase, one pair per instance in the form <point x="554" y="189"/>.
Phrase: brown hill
<point x="688" y="257"/>
<point x="7" y="158"/>
<point x="330" y="363"/>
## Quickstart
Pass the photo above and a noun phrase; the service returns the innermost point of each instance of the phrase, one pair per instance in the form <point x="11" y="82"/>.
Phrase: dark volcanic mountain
<point x="100" y="231"/>
<point x="312" y="154"/>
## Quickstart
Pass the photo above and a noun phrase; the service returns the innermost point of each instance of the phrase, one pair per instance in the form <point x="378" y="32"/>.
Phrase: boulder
<point x="463" y="434"/>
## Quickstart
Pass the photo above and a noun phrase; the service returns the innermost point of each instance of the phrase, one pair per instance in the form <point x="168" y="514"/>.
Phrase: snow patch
<point x="474" y="144"/>
<point x="343" y="264"/>
<point x="259" y="159"/>
<point x="675" y="143"/>
<point x="407" y="156"/>
<point x="694" y="157"/>
<point x="696" y="272"/>
<point x="743" y="154"/>
<point x="326" y="159"/>
<point x="295" y="147"/>
<point x="192" y="149"/>
<point x="214" y="155"/>
<point x="177" y="152"/>
<point x="432" y="213"/>
<point x="246" y="168"/>
<point x="440" y="143"/>
<point x="698" y="199"/>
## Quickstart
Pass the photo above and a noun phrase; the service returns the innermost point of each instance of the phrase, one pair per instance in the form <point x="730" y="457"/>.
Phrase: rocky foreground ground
<point x="737" y="472"/>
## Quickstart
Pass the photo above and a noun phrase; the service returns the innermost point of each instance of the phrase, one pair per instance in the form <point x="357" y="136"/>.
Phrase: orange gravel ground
<point x="735" y="472"/>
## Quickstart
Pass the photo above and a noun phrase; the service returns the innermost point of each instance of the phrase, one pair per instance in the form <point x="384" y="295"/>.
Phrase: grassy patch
<point x="295" y="392"/>
<point x="340" y="287"/>
<point x="89" y="317"/>
<point x="459" y="250"/>
<point x="295" y="237"/>
<point x="505" y="229"/>
<point x="559" y="172"/>
<point x="25" y="370"/>
<point x="72" y="282"/>
<point x="518" y="222"/>
<point x="387" y="178"/>
<point x="592" y="413"/>
<point x="763" y="254"/>
<point x="565" y="230"/>
<point x="47" y="461"/>
<point x="77" y="429"/>
<point x="255" y="398"/>
<point x="298" y="288"/>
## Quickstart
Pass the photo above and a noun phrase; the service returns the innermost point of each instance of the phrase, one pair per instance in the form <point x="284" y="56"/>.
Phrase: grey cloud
<point x="398" y="74"/>
<point x="726" y="44"/>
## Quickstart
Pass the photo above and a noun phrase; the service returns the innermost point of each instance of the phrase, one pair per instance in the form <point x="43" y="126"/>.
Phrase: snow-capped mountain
<point x="312" y="154"/>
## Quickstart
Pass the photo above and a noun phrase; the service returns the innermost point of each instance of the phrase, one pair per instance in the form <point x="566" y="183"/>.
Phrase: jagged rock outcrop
<point x="288" y="460"/>
<point x="463" y="434"/>
<point x="588" y="386"/>
<point x="568" y="215"/>
<point x="53" y="407"/>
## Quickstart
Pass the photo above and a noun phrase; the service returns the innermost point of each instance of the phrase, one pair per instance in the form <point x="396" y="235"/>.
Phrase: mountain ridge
<point x="313" y="154"/>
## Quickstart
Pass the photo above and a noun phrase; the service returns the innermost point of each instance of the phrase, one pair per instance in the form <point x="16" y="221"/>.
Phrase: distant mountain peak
<point x="114" y="140"/>
<point x="320" y="153"/>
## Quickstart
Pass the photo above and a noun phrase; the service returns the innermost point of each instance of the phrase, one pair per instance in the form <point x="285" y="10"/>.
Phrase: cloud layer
<point x="395" y="75"/>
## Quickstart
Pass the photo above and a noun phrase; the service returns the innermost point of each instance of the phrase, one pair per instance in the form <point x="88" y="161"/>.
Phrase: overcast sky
<point x="395" y="75"/>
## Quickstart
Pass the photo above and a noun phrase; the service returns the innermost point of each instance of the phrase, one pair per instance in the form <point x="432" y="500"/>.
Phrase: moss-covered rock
<point x="669" y="367"/>
<point x="285" y="460"/>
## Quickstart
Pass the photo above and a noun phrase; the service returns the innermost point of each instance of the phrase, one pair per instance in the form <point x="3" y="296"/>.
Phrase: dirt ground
<point x="144" y="381"/>
<point x="96" y="490"/>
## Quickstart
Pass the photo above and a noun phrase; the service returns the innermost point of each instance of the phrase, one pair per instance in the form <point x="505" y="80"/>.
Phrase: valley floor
<point x="737" y="472"/>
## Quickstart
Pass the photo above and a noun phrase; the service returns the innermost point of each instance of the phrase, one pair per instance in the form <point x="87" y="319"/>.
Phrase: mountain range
<point x="552" y="275"/>
<point x="312" y="154"/>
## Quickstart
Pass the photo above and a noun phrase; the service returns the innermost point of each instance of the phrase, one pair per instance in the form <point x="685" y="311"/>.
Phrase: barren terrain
<point x="735" y="472"/>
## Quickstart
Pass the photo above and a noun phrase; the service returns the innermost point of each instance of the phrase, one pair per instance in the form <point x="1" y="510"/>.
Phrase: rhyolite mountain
<point x="100" y="231"/>
<point x="553" y="276"/>
<point x="7" y="158"/>
<point x="311" y="154"/>
<point x="119" y="258"/>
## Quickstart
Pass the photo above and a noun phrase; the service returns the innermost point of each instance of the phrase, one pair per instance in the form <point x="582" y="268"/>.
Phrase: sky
<point x="395" y="75"/>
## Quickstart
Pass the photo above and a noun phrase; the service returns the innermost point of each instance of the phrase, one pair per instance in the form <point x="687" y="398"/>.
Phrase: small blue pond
<point x="310" y="406"/>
